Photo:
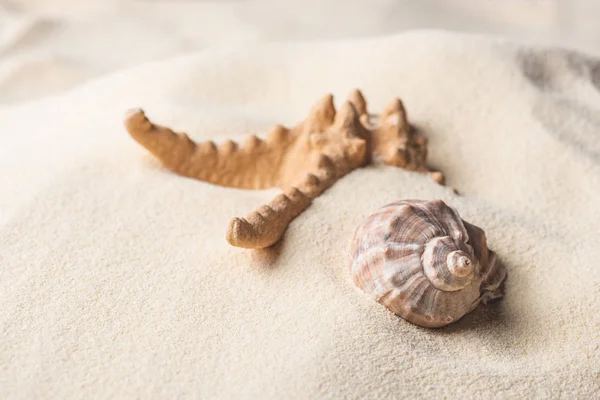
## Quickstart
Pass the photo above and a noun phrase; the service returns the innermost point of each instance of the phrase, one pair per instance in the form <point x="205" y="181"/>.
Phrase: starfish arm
<point x="397" y="144"/>
<point x="358" y="101"/>
<point x="321" y="149"/>
<point x="265" y="226"/>
<point x="254" y="165"/>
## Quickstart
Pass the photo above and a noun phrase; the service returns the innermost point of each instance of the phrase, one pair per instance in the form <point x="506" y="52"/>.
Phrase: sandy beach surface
<point x="115" y="277"/>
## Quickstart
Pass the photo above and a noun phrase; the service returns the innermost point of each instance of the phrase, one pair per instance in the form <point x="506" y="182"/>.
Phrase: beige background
<point x="50" y="45"/>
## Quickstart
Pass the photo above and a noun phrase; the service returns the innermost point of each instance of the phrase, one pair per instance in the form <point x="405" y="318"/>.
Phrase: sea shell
<point x="424" y="263"/>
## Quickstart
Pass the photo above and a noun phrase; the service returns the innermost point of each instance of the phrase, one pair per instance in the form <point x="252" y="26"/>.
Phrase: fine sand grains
<point x="116" y="279"/>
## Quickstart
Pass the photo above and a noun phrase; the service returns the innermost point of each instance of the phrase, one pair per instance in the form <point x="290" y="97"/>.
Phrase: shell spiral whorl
<point x="460" y="264"/>
<point x="448" y="264"/>
<point x="424" y="263"/>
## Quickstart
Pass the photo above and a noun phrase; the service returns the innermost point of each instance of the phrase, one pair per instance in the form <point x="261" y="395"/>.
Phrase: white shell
<point x="424" y="263"/>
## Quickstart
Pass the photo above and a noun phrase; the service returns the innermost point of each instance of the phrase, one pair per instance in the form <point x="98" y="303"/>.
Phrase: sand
<point x="117" y="282"/>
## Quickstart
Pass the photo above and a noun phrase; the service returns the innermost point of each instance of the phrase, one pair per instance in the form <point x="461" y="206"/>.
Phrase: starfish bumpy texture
<point x="303" y="161"/>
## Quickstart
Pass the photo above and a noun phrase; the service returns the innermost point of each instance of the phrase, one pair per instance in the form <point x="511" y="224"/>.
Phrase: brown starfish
<point x="303" y="161"/>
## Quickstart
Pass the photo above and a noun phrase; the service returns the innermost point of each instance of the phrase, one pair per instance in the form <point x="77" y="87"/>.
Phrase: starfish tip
<point x="238" y="232"/>
<point x="136" y="121"/>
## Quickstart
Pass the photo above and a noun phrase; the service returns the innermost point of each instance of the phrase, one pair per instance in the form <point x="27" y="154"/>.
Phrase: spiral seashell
<point x="424" y="263"/>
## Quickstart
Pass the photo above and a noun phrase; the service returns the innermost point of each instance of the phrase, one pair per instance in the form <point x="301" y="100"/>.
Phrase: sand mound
<point x="117" y="280"/>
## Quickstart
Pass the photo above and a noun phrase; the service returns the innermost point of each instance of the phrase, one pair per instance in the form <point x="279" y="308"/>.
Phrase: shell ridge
<point x="436" y="213"/>
<point x="463" y="232"/>
<point x="364" y="267"/>
<point x="391" y="274"/>
<point x="401" y="295"/>
<point x="410" y="226"/>
<point x="417" y="294"/>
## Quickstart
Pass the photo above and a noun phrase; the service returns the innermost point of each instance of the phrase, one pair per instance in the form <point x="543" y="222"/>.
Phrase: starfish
<point x="303" y="161"/>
